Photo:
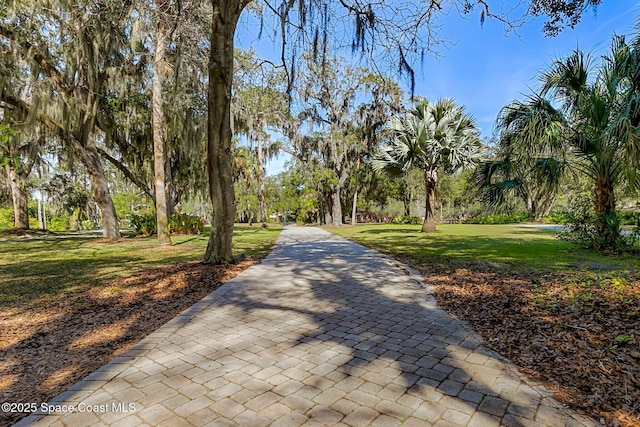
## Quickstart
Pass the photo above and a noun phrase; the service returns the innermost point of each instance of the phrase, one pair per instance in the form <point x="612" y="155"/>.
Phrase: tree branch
<point x="127" y="173"/>
<point x="487" y="12"/>
<point x="23" y="106"/>
<point x="69" y="137"/>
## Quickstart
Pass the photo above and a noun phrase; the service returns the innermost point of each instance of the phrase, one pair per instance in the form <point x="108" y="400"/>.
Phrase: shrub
<point x="88" y="224"/>
<point x="143" y="224"/>
<point x="556" y="218"/>
<point x="6" y="218"/>
<point x="182" y="223"/>
<point x="58" y="223"/>
<point x="629" y="218"/>
<point x="580" y="229"/>
<point x="498" y="219"/>
<point x="32" y="209"/>
<point x="179" y="223"/>
<point x="406" y="220"/>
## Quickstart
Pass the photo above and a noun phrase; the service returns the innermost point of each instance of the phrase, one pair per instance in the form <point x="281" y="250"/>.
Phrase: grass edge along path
<point x="565" y="317"/>
<point x="99" y="299"/>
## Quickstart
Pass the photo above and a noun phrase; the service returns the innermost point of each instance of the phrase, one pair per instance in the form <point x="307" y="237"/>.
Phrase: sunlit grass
<point x="53" y="265"/>
<point x="512" y="246"/>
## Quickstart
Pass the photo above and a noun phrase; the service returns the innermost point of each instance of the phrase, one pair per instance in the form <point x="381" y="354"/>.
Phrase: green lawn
<point x="515" y="246"/>
<point x="58" y="265"/>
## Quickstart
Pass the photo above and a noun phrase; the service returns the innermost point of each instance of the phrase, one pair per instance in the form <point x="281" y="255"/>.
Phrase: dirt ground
<point x="577" y="334"/>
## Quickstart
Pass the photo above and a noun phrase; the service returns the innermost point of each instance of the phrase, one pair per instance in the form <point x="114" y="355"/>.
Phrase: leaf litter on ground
<point x="48" y="346"/>
<point x="577" y="332"/>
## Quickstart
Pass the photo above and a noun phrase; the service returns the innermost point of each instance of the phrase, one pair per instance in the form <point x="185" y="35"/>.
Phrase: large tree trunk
<point x="328" y="203"/>
<point x="100" y="187"/>
<point x="545" y="206"/>
<point x="336" y="207"/>
<point x="542" y="205"/>
<point x="162" y="219"/>
<point x="430" y="181"/>
<point x="91" y="160"/>
<point x="224" y="21"/>
<point x="605" y="206"/>
<point x="88" y="153"/>
<point x="86" y="149"/>
<point x="90" y="157"/>
<point x="19" y="198"/>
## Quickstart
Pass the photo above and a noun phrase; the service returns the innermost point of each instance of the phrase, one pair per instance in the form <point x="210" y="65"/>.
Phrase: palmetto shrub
<point x="179" y="223"/>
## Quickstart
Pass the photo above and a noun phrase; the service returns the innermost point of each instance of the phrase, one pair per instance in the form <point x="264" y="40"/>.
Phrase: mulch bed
<point x="577" y="333"/>
<point x="45" y="349"/>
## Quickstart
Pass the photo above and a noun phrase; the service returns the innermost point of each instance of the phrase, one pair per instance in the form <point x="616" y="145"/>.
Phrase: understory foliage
<point x="586" y="119"/>
<point x="6" y="218"/>
<point x="401" y="219"/>
<point x="179" y="223"/>
<point x="580" y="228"/>
<point x="499" y="219"/>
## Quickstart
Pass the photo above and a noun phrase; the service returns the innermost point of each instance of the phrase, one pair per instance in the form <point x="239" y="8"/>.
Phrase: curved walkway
<point x="322" y="332"/>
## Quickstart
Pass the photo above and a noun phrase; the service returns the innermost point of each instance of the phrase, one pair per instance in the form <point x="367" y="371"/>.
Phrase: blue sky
<point x="484" y="68"/>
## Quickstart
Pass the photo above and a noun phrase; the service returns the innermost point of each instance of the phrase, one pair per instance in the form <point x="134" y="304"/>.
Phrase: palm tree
<point x="596" y="122"/>
<point x="531" y="173"/>
<point x="432" y="137"/>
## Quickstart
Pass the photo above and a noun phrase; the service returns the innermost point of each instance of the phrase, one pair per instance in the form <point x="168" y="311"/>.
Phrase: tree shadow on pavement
<point x="374" y="344"/>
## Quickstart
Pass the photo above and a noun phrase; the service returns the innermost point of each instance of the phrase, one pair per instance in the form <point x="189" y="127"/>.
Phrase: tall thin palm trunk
<point x="261" y="174"/>
<point x="354" y="207"/>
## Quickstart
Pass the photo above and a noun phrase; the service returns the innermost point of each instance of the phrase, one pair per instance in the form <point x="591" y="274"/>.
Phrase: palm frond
<point x="567" y="78"/>
<point x="432" y="135"/>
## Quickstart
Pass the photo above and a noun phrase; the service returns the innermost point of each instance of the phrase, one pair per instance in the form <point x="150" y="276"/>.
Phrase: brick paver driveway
<point x="323" y="332"/>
